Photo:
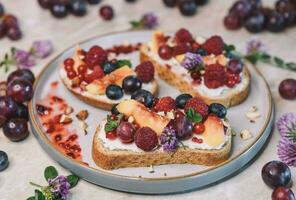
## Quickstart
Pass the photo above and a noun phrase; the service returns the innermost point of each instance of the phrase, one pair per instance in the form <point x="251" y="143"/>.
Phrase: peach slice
<point x="142" y="115"/>
<point x="158" y="38"/>
<point x="214" y="131"/>
<point x="77" y="58"/>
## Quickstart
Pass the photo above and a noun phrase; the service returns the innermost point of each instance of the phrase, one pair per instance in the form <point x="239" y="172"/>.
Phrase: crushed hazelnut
<point x="170" y="115"/>
<point x="245" y="134"/>
<point x="65" y="119"/>
<point x="130" y="119"/>
<point x="161" y="113"/>
<point x="75" y="81"/>
<point x="68" y="110"/>
<point x="82" y="115"/>
<point x="253" y="114"/>
<point x="83" y="125"/>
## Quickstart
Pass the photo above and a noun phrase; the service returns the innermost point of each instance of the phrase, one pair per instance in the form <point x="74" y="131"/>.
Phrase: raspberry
<point x="215" y="76"/>
<point x="97" y="73"/>
<point x="146" y="139"/>
<point x="181" y="49"/>
<point x="95" y="56"/>
<point x="145" y="72"/>
<point x="232" y="80"/>
<point x="214" y="45"/>
<point x="165" y="104"/>
<point x="198" y="105"/>
<point x="183" y="36"/>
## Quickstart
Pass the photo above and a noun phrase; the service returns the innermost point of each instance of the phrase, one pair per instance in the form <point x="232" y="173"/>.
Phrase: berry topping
<point x="232" y="80"/>
<point x="69" y="62"/>
<point x="114" y="92"/>
<point x="198" y="128"/>
<point x="108" y="67"/>
<point x="197" y="140"/>
<point x="188" y="7"/>
<point x="95" y="56"/>
<point x="111" y="135"/>
<point x="82" y="69"/>
<point x="146" y="139"/>
<point x="182" y="99"/>
<point x="96" y="74"/>
<point x="181" y="49"/>
<point x="125" y="131"/>
<point x="218" y="109"/>
<point x="183" y="127"/>
<point x="114" y="110"/>
<point x="202" y="52"/>
<point x="165" y="104"/>
<point x="165" y="52"/>
<point x="195" y="75"/>
<point x="183" y="36"/>
<point x="144" y="97"/>
<point x="235" y="66"/>
<point x="130" y="84"/>
<point x="214" y="45"/>
<point x="215" y="76"/>
<point x="145" y="71"/>
<point x="198" y="105"/>
<point x="232" y="21"/>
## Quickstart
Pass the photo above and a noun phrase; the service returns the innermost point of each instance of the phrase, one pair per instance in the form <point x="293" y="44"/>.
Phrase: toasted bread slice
<point x="115" y="158"/>
<point x="232" y="97"/>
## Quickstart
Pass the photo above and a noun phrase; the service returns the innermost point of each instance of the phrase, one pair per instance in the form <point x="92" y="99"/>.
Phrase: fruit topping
<point x="196" y="76"/>
<point x="71" y="74"/>
<point x="197" y="140"/>
<point x="107" y="12"/>
<point x="109" y="67"/>
<point x="214" y="45"/>
<point x="232" y="80"/>
<point x="275" y="22"/>
<point x="95" y="56"/>
<point x="287" y="88"/>
<point x="182" y="99"/>
<point x="111" y="135"/>
<point x="218" y="109"/>
<point x="197" y="105"/>
<point x="3" y="161"/>
<point x="146" y="139"/>
<point x="202" y="52"/>
<point x="165" y="104"/>
<point x="282" y="193"/>
<point x="181" y="48"/>
<point x="126" y="131"/>
<point x="21" y="74"/>
<point x="235" y="66"/>
<point x="183" y="127"/>
<point x="69" y="62"/>
<point x="198" y="128"/>
<point x="183" y="36"/>
<point x="165" y="52"/>
<point x="215" y="76"/>
<point x="131" y="84"/>
<point x="275" y="174"/>
<point x="16" y="129"/>
<point x="144" y="96"/>
<point x="97" y="73"/>
<point x="114" y="92"/>
<point x="145" y="71"/>
<point x="114" y="110"/>
<point x="214" y="134"/>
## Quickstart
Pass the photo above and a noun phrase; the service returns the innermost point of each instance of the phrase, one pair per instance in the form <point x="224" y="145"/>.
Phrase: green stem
<point x="36" y="185"/>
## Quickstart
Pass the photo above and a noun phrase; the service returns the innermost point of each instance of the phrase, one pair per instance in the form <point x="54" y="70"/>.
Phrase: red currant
<point x="82" y="69"/>
<point x="71" y="74"/>
<point x="111" y="135"/>
<point x="69" y="68"/>
<point x="197" y="140"/>
<point x="230" y="83"/>
<point x="165" y="52"/>
<point x="195" y="75"/>
<point x="199" y="128"/>
<point x="69" y="61"/>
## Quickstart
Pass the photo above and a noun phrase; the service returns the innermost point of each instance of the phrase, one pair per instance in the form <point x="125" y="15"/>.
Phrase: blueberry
<point x="3" y="161"/>
<point x="109" y="67"/>
<point x="144" y="97"/>
<point x="188" y="7"/>
<point x="218" y="109"/>
<point x="114" y="92"/>
<point x="114" y="110"/>
<point x="182" y="99"/>
<point x="130" y="84"/>
<point x="78" y="7"/>
<point x="202" y="52"/>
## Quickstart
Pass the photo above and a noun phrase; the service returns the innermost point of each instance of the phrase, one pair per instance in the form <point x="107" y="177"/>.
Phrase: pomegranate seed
<point x="195" y="139"/>
<point x="230" y="83"/>
<point x="71" y="74"/>
<point x="200" y="140"/>
<point x="111" y="135"/>
<point x="69" y="61"/>
<point x="69" y="68"/>
<point x="199" y="128"/>
<point x="82" y="69"/>
<point x="195" y="75"/>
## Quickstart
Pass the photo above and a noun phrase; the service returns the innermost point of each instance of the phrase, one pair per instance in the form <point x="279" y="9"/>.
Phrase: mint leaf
<point x="229" y="48"/>
<point x="73" y="180"/>
<point x="39" y="195"/>
<point x="193" y="116"/>
<point x="111" y="124"/>
<point x="278" y="61"/>
<point x="121" y="63"/>
<point x="135" y="24"/>
<point x="50" y="172"/>
<point x="291" y="66"/>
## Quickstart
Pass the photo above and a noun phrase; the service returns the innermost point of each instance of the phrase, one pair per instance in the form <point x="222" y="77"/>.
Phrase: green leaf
<point x="111" y="124"/>
<point x="50" y="173"/>
<point x="229" y="48"/>
<point x="31" y="198"/>
<point x="135" y="24"/>
<point x="73" y="180"/>
<point x="253" y="57"/>
<point x="291" y="66"/>
<point x="278" y="61"/>
<point x="121" y="63"/>
<point x="193" y="116"/>
<point x="39" y="195"/>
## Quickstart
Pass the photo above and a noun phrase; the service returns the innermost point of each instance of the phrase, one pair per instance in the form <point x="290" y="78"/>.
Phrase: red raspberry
<point x="215" y="76"/>
<point x="198" y="105"/>
<point x="95" y="56"/>
<point x="214" y="45"/>
<point x="181" y="49"/>
<point x="183" y="36"/>
<point x="145" y="71"/>
<point x="97" y="73"/>
<point x="165" y="104"/>
<point x="146" y="139"/>
<point x="232" y="80"/>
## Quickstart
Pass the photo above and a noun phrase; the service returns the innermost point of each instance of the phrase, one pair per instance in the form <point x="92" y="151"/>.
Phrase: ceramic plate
<point x="166" y="178"/>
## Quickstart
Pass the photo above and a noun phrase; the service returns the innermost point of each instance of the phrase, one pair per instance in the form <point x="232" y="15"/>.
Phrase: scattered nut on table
<point x="83" y="125"/>
<point x="253" y="114"/>
<point x="65" y="119"/>
<point x="245" y="134"/>
<point x="68" y="110"/>
<point x="82" y="115"/>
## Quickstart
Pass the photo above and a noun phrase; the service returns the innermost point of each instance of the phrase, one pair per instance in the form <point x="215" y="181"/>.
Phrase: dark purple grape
<point x="256" y="4"/>
<point x="275" y="174"/>
<point x="3" y="30"/>
<point x="183" y="127"/>
<point x="282" y="193"/>
<point x="106" y="12"/>
<point x="14" y="33"/>
<point x="3" y="161"/>
<point x="232" y="21"/>
<point x="93" y="1"/>
<point x="170" y="3"/>
<point x="201" y="2"/>
<point x="287" y="89"/>
<point x="59" y="10"/>
<point x="255" y="22"/>
<point x="2" y="10"/>
<point x="78" y="7"/>
<point x="130" y="1"/>
<point x="126" y="131"/>
<point x="16" y="129"/>
<point x="22" y="112"/>
<point x="275" y="22"/>
<point x="2" y="120"/>
<point x="20" y="90"/>
<point x="130" y="84"/>
<point x="10" y="21"/>
<point x="235" y="66"/>
<point x="8" y="106"/>
<point x="187" y="7"/>
<point x="21" y="74"/>
<point x="282" y="5"/>
<point x="289" y="17"/>
<point x="45" y="3"/>
<point x="242" y="8"/>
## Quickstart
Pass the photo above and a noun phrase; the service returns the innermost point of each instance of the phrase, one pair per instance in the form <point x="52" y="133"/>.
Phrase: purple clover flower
<point x="149" y="20"/>
<point x="42" y="48"/>
<point x="287" y="151"/>
<point x="191" y="60"/>
<point x="168" y="139"/>
<point x="255" y="45"/>
<point x="286" y="126"/>
<point x="59" y="186"/>
<point x="23" y="59"/>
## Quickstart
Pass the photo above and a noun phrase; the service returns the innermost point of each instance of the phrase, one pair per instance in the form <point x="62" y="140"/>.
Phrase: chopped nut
<point x="83" y="125"/>
<point x="226" y="123"/>
<point x="83" y="86"/>
<point x="246" y="134"/>
<point x="81" y="57"/>
<point x="82" y="115"/>
<point x="170" y="115"/>
<point x="111" y="56"/>
<point x="151" y="169"/>
<point x="253" y="109"/>
<point x="202" y="72"/>
<point x="68" y="110"/>
<point x="200" y="40"/>
<point x="253" y="114"/>
<point x="75" y="81"/>
<point x="131" y="119"/>
<point x="161" y="113"/>
<point x="233" y="133"/>
<point x="65" y="119"/>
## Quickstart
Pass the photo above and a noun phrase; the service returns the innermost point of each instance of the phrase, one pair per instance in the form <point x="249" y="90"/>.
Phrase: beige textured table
<point x="27" y="158"/>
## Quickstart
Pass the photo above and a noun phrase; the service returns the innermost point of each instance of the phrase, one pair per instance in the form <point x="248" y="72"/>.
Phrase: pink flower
<point x="23" y="59"/>
<point x="42" y="48"/>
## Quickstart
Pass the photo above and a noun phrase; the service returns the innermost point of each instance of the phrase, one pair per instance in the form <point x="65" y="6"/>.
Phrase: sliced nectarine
<point x="214" y="131"/>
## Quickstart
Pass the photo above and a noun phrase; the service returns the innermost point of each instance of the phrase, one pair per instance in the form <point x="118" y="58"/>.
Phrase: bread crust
<point x="95" y="102"/>
<point x="114" y="159"/>
<point x="230" y="99"/>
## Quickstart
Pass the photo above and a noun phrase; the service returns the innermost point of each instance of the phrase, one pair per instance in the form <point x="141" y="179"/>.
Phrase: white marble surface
<point x="28" y="160"/>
